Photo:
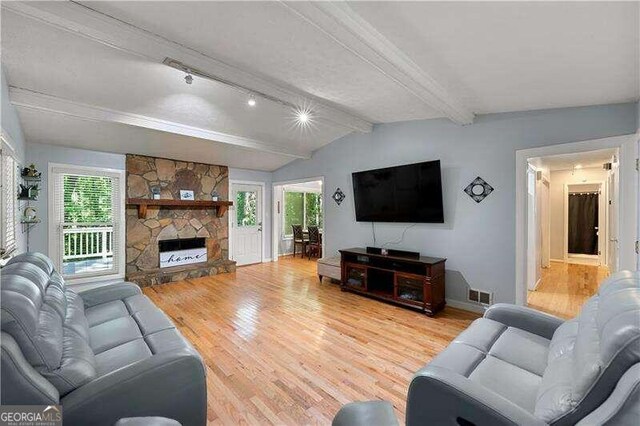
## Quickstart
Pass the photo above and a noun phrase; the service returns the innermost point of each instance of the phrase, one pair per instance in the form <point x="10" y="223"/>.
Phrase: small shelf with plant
<point x="28" y="191"/>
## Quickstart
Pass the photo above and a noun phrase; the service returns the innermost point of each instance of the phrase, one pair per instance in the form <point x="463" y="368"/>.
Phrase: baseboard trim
<point x="466" y="306"/>
<point x="266" y="259"/>
<point x="535" y="286"/>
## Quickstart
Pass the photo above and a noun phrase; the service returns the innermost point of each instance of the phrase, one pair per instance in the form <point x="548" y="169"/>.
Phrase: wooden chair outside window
<point x="314" y="245"/>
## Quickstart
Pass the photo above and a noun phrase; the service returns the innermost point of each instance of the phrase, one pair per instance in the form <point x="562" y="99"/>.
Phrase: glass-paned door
<point x="246" y="231"/>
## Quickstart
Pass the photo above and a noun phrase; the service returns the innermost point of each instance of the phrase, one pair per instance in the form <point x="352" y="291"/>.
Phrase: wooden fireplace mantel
<point x="142" y="203"/>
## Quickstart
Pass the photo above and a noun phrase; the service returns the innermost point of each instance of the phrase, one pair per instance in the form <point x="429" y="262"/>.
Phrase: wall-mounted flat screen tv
<point x="410" y="193"/>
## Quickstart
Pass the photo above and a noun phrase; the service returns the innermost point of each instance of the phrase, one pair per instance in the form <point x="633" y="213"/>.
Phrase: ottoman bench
<point x="329" y="267"/>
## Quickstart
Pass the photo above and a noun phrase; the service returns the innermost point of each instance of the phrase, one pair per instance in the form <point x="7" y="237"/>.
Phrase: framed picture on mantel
<point x="186" y="195"/>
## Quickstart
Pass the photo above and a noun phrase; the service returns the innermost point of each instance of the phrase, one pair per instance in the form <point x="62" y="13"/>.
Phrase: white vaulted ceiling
<point x="91" y="75"/>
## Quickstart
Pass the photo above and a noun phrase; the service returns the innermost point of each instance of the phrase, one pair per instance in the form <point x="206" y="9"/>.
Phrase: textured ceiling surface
<point x="492" y="57"/>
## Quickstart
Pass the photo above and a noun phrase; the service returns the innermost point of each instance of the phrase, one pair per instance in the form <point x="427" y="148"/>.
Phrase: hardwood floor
<point x="564" y="288"/>
<point x="281" y="348"/>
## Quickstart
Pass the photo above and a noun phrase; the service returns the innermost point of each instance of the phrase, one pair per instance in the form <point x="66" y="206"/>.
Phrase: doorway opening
<point x="585" y="226"/>
<point x="246" y="218"/>
<point x="572" y="202"/>
<point x="298" y="224"/>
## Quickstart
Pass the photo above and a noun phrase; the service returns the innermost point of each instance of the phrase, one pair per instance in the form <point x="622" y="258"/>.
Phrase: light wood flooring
<point x="565" y="287"/>
<point x="281" y="348"/>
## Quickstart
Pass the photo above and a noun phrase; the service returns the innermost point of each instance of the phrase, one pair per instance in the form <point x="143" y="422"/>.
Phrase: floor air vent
<point x="479" y="296"/>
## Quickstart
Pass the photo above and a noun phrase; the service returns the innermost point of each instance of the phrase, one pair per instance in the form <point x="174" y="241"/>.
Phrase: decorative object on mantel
<point x="31" y="172"/>
<point x="142" y="203"/>
<point x="338" y="196"/>
<point x="29" y="192"/>
<point x="479" y="189"/>
<point x="186" y="195"/>
<point x="155" y="192"/>
<point x="214" y="195"/>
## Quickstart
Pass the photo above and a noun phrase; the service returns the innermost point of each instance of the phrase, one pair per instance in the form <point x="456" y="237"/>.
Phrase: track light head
<point x="188" y="78"/>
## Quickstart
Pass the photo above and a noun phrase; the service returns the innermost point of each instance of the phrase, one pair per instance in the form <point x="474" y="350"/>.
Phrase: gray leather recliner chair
<point x="518" y="366"/>
<point x="103" y="354"/>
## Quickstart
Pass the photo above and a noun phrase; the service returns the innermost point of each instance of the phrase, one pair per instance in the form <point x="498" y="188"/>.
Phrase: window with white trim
<point x="8" y="205"/>
<point x="86" y="221"/>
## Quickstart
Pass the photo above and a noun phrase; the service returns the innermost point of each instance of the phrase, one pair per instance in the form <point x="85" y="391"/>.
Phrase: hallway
<point x="565" y="287"/>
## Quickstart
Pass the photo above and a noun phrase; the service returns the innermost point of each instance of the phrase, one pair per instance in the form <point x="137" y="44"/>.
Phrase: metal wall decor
<point x="338" y="196"/>
<point x="479" y="189"/>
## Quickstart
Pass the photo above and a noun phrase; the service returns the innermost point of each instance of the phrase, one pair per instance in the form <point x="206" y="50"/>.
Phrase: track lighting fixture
<point x="188" y="78"/>
<point x="302" y="114"/>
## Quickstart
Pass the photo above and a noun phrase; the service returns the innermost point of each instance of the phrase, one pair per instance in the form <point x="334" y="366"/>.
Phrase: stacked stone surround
<point x="142" y="256"/>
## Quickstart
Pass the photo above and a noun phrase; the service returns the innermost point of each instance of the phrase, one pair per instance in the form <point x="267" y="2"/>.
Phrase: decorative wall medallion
<point x="338" y="196"/>
<point x="479" y="189"/>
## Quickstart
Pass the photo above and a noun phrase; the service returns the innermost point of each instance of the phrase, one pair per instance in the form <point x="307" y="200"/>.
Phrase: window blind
<point x="9" y="174"/>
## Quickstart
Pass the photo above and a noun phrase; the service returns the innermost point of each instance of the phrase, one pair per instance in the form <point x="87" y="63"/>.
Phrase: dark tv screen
<point x="410" y="193"/>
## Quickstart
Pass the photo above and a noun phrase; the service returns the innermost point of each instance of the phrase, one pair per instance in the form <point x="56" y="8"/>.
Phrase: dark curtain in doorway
<point x="583" y="223"/>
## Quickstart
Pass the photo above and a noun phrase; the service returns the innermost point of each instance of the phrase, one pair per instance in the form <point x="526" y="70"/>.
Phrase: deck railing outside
<point x="84" y="242"/>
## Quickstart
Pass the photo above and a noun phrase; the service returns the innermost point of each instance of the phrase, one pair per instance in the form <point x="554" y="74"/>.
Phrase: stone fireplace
<point x="181" y="228"/>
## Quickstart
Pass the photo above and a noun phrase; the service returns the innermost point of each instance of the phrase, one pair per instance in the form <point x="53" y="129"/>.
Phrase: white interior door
<point x="246" y="224"/>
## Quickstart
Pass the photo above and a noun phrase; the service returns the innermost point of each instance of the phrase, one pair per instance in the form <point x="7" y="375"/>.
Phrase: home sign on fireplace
<point x="184" y="251"/>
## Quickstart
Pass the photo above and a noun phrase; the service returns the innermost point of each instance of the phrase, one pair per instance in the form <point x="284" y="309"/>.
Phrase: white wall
<point x="558" y="180"/>
<point x="10" y="124"/>
<point x="41" y="155"/>
<point x="262" y="177"/>
<point x="477" y="239"/>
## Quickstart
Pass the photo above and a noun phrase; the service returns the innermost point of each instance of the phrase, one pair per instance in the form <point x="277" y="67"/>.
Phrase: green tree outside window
<point x="247" y="207"/>
<point x="293" y="210"/>
<point x="302" y="208"/>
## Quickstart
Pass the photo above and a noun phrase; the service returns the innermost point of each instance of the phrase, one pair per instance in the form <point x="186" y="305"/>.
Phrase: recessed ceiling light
<point x="251" y="101"/>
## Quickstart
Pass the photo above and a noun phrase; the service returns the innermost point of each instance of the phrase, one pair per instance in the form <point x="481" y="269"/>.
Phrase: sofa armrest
<point x="527" y="319"/>
<point x="170" y="384"/>
<point x="623" y="405"/>
<point x="441" y="396"/>
<point x="21" y="384"/>
<point x="108" y="293"/>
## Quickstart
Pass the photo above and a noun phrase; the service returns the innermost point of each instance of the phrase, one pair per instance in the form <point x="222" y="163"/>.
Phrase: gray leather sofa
<point x="518" y="366"/>
<point x="103" y="354"/>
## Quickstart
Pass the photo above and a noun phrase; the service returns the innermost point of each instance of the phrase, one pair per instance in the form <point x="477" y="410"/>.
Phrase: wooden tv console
<point x="416" y="282"/>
